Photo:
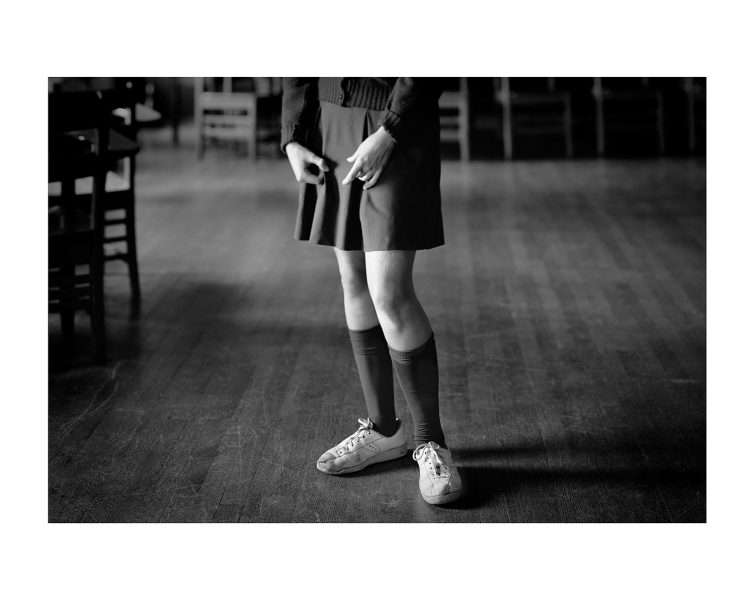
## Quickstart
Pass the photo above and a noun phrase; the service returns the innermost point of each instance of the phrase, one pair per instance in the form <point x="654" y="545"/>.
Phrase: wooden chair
<point x="119" y="200"/>
<point x="120" y="194"/>
<point x="138" y="114"/>
<point x="627" y="105"/>
<point x="455" y="117"/>
<point x="534" y="107"/>
<point x="78" y="138"/>
<point x="695" y="89"/>
<point x="225" y="115"/>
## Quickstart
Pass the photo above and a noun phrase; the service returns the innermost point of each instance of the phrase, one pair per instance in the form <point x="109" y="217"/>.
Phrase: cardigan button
<point x="341" y="97"/>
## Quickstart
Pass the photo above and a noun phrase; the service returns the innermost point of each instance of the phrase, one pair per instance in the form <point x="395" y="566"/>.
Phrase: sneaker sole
<point x="445" y="499"/>
<point x="377" y="458"/>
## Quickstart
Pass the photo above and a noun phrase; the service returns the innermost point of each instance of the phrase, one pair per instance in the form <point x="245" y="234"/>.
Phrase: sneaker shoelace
<point x="365" y="425"/>
<point x="428" y="453"/>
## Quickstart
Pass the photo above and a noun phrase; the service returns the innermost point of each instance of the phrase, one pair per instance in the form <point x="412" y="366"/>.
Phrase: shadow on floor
<point x="530" y="472"/>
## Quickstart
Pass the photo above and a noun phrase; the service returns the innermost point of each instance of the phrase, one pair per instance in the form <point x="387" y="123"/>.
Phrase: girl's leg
<point x="412" y="348"/>
<point x="360" y="314"/>
<point x="369" y="346"/>
<point x="409" y="336"/>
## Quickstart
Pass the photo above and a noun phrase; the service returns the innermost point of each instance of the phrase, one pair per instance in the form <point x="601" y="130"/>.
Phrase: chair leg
<point x="67" y="323"/>
<point x="133" y="263"/>
<point x="252" y="140"/>
<point x="691" y="123"/>
<point x="97" y="314"/>
<point x="130" y="222"/>
<point x="507" y="131"/>
<point x="198" y="115"/>
<point x="660" y="125"/>
<point x="600" y="130"/>
<point x="464" y="132"/>
<point x="200" y="142"/>
<point x="175" y="109"/>
<point x="567" y="129"/>
<point x="98" y="336"/>
<point x="67" y="317"/>
<point x="131" y="256"/>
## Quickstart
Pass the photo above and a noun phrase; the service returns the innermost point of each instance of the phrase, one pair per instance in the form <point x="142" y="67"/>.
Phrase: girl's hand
<point x="300" y="158"/>
<point x="370" y="158"/>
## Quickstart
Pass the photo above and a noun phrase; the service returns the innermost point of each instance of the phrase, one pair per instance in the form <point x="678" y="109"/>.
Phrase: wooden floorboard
<point x="569" y="310"/>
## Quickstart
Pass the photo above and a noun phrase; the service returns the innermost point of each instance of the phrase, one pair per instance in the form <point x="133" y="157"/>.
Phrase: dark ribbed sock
<point x="376" y="372"/>
<point x="417" y="373"/>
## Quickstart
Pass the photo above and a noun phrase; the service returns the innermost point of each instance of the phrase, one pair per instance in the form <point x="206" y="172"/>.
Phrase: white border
<point x="647" y="38"/>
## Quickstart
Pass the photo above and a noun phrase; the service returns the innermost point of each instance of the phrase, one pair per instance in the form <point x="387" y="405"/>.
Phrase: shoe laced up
<point x="363" y="448"/>
<point x="365" y="428"/>
<point x="428" y="452"/>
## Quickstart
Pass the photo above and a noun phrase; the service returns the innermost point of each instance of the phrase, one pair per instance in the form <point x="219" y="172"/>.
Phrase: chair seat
<point x="450" y="99"/>
<point x="113" y="183"/>
<point x="122" y="113"/>
<point x="146" y="114"/>
<point x="533" y="98"/>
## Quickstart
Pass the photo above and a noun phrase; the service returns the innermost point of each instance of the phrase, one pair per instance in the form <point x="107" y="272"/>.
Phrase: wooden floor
<point x="569" y="310"/>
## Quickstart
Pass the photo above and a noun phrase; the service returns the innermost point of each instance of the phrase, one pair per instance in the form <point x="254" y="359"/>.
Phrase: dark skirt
<point x="400" y="212"/>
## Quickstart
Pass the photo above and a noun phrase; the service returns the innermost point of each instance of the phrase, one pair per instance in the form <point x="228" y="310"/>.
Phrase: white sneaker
<point x="365" y="447"/>
<point x="439" y="481"/>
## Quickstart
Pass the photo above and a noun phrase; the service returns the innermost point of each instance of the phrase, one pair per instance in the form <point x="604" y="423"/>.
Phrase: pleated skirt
<point x="402" y="211"/>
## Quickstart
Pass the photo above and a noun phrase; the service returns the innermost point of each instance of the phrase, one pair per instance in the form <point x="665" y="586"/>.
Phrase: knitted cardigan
<point x="403" y="100"/>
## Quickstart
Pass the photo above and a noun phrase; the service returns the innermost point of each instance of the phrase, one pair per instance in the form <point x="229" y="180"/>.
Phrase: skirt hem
<point x="405" y="247"/>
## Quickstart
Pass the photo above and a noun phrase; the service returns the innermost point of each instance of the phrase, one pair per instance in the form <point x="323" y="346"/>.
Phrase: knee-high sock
<point x="417" y="374"/>
<point x="376" y="372"/>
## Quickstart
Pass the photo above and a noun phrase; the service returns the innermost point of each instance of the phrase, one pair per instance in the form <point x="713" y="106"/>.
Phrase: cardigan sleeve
<point x="299" y="109"/>
<point x="408" y="97"/>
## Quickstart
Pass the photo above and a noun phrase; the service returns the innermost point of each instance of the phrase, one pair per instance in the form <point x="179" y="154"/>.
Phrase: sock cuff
<point x="410" y="356"/>
<point x="367" y="341"/>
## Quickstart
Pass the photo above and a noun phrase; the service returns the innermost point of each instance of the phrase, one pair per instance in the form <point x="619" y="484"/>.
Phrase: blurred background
<point x="195" y="347"/>
<point x="484" y="117"/>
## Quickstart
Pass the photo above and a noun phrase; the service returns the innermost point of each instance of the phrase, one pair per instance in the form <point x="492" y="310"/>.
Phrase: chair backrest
<point x="453" y="85"/>
<point x="120" y="102"/>
<point x="626" y="87"/>
<point x="694" y="85"/>
<point x="532" y="85"/>
<point x="620" y="84"/>
<point x="81" y="84"/>
<point x="78" y="139"/>
<point x="75" y="118"/>
<point x="507" y="88"/>
<point x="72" y="111"/>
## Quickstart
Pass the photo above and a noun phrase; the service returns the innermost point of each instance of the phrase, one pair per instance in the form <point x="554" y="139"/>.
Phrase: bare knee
<point x="354" y="281"/>
<point x="392" y="300"/>
<point x="353" y="273"/>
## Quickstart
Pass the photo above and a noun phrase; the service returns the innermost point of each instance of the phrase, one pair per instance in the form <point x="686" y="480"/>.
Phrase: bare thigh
<point x="357" y="302"/>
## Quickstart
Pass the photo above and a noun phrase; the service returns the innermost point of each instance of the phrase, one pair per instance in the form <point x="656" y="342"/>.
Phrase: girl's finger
<point x="352" y="173"/>
<point x="317" y="160"/>
<point x="373" y="179"/>
<point x="307" y="177"/>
